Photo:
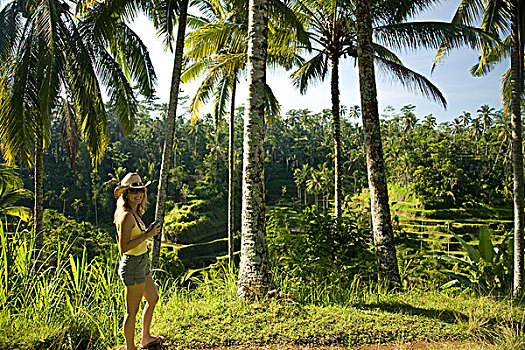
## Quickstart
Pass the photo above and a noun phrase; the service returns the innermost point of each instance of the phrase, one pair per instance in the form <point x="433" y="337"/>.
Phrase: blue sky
<point x="462" y="91"/>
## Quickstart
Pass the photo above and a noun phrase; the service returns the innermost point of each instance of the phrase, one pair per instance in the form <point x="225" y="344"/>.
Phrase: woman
<point x="134" y="265"/>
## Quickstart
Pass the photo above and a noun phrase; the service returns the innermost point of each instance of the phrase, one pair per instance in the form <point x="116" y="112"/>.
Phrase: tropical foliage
<point x="318" y="187"/>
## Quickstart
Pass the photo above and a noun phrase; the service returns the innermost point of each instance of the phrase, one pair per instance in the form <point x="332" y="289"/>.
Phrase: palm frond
<point x="222" y="96"/>
<point x="18" y="104"/>
<point x="165" y="18"/>
<point x="9" y="196"/>
<point x="69" y="130"/>
<point x="229" y="63"/>
<point x="213" y="38"/>
<point x="195" y="22"/>
<point x="119" y="90"/>
<point x="496" y="17"/>
<point x="85" y="91"/>
<point x="272" y="108"/>
<point x="45" y="16"/>
<point x="136" y="57"/>
<point x="194" y="70"/>
<point x="202" y="95"/>
<point x="313" y="70"/>
<point x="281" y="15"/>
<point x="385" y="53"/>
<point x="126" y="9"/>
<point x="506" y="90"/>
<point x="9" y="178"/>
<point x="9" y="28"/>
<point x="468" y="12"/>
<point x="430" y="35"/>
<point x="283" y="48"/>
<point x="412" y="81"/>
<point x="387" y="11"/>
<point x="490" y="57"/>
<point x="23" y="213"/>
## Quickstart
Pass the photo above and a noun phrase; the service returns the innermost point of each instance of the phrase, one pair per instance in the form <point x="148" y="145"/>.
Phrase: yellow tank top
<point x="136" y="232"/>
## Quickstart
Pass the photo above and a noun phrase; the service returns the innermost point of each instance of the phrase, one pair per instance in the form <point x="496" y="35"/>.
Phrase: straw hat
<point x="131" y="180"/>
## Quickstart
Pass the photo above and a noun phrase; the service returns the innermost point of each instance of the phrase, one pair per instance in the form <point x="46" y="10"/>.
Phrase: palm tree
<point x="430" y="121"/>
<point x="465" y="118"/>
<point x="387" y="269"/>
<point x="503" y="19"/>
<point x="486" y="114"/>
<point x="314" y="184"/>
<point x="164" y="17"/>
<point x="355" y="112"/>
<point x="254" y="275"/>
<point x="326" y="177"/>
<point x="218" y="47"/>
<point x="517" y="18"/>
<point x="300" y="177"/>
<point x="331" y="27"/>
<point x="48" y="55"/>
<point x="408" y="118"/>
<point x="476" y="130"/>
<point x="456" y="127"/>
<point x="504" y="134"/>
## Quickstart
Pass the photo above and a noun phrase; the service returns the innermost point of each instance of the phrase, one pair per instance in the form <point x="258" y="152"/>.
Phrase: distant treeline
<point x="462" y="162"/>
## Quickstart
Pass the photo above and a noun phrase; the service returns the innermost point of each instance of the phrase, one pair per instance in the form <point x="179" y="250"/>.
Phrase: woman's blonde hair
<point x="123" y="205"/>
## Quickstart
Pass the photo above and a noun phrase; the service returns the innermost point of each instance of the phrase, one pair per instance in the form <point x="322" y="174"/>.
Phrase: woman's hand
<point x="152" y="230"/>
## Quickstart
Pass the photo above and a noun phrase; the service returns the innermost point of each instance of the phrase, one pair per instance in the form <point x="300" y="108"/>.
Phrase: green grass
<point x="212" y="316"/>
<point x="78" y="304"/>
<point x="87" y="314"/>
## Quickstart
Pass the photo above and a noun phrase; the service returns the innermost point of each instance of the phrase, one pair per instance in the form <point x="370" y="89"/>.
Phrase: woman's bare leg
<point x="150" y="293"/>
<point x="133" y="297"/>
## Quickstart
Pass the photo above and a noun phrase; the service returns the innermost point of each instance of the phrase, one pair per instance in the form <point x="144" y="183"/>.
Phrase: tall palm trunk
<point x="387" y="269"/>
<point x="254" y="276"/>
<point x="516" y="62"/>
<point x="337" y="135"/>
<point x="170" y="130"/>
<point x="39" y="194"/>
<point x="231" y="212"/>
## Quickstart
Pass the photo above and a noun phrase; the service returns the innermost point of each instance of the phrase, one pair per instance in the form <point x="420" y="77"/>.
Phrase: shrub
<point x="318" y="250"/>
<point x="170" y="263"/>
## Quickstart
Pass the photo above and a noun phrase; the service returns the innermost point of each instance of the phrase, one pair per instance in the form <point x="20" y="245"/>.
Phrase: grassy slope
<point x="212" y="316"/>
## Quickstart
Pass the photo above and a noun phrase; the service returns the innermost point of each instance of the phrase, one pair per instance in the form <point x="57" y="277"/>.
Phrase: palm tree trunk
<point x="304" y="196"/>
<point x="231" y="219"/>
<point x="39" y="194"/>
<point x="337" y="135"/>
<point x="96" y="210"/>
<point x="170" y="130"/>
<point x="516" y="62"/>
<point x="254" y="277"/>
<point x="195" y="144"/>
<point x="387" y="269"/>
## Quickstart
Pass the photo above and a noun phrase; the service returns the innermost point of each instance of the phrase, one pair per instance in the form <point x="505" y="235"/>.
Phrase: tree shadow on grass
<point x="448" y="316"/>
<point x="482" y="325"/>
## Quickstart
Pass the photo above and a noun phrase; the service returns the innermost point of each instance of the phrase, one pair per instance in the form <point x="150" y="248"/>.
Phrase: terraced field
<point x="432" y="229"/>
<point x="197" y="229"/>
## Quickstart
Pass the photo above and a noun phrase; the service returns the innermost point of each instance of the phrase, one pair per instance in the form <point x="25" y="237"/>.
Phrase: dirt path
<point x="422" y="345"/>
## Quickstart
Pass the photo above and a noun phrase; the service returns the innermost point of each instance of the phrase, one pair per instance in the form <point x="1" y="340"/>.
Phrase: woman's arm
<point x="125" y="224"/>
